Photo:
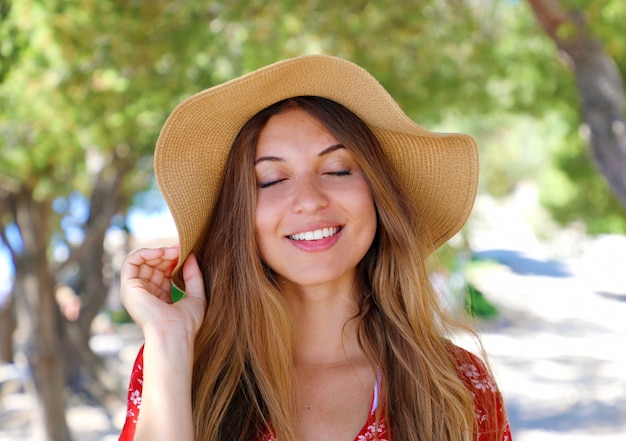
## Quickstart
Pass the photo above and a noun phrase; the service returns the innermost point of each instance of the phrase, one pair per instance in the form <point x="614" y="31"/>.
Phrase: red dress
<point x="488" y="403"/>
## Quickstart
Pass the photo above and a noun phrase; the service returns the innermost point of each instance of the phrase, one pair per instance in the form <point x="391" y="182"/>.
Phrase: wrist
<point x="169" y="338"/>
<point x="168" y="361"/>
<point x="167" y="373"/>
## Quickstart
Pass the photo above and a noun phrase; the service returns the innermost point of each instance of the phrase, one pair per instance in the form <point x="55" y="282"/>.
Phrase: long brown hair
<point x="242" y="375"/>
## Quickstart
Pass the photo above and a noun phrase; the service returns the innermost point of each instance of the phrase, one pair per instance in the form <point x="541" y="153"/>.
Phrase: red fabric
<point x="135" y="389"/>
<point x="488" y="403"/>
<point x="492" y="422"/>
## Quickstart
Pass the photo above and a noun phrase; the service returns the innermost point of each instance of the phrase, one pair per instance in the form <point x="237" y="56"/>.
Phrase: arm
<point x="169" y="331"/>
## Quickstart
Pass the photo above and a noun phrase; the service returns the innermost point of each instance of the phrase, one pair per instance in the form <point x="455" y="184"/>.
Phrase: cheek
<point x="364" y="202"/>
<point x="370" y="220"/>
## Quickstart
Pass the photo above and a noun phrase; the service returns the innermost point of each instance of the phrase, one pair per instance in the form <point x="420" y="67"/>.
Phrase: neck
<point x="325" y="328"/>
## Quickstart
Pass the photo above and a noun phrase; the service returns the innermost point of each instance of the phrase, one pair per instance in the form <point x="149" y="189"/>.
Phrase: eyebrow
<point x="324" y="152"/>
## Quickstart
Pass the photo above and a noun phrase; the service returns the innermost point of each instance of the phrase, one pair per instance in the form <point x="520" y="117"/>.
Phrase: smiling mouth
<point x="322" y="233"/>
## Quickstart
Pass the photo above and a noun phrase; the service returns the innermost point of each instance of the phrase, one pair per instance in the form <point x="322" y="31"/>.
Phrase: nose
<point x="309" y="195"/>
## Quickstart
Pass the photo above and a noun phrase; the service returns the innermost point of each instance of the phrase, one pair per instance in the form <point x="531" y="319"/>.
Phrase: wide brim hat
<point x="438" y="171"/>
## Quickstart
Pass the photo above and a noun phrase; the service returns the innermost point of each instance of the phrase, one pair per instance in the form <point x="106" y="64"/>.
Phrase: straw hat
<point x="439" y="171"/>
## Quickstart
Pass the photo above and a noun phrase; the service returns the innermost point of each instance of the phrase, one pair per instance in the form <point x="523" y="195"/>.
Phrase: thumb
<point x="194" y="282"/>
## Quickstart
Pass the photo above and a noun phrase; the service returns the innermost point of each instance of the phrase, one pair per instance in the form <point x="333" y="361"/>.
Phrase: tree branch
<point x="600" y="86"/>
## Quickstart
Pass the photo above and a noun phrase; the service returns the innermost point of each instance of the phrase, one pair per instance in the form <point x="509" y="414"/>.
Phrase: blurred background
<point x="86" y="85"/>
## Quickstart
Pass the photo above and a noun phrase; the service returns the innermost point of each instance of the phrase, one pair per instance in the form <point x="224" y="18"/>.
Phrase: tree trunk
<point x="38" y="319"/>
<point x="86" y="370"/>
<point x="7" y="327"/>
<point x="600" y="86"/>
<point x="8" y="320"/>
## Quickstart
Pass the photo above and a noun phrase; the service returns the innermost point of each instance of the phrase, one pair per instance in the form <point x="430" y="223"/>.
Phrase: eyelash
<point x="340" y="173"/>
<point x="270" y="183"/>
<point x="278" y="181"/>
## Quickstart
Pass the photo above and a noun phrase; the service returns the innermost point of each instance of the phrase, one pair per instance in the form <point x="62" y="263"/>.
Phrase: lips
<point x="321" y="233"/>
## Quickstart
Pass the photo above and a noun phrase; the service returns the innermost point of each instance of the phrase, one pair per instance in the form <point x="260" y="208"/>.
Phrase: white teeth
<point x="315" y="234"/>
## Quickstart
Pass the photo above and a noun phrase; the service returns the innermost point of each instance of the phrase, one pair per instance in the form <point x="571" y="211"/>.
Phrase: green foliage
<point x="477" y="305"/>
<point x="606" y="19"/>
<point x="120" y="316"/>
<point x="456" y="271"/>
<point x="513" y="147"/>
<point x="86" y="85"/>
<point x="538" y="137"/>
<point x="571" y="187"/>
<point x="11" y="41"/>
<point x="573" y="191"/>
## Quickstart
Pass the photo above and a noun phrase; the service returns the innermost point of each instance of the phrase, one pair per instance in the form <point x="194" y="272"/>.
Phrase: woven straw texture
<point x="439" y="171"/>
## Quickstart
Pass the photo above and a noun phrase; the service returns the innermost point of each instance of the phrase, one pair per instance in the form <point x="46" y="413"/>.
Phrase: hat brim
<point x="438" y="171"/>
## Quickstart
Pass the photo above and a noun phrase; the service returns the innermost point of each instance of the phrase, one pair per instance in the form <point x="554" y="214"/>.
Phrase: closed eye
<point x="340" y="173"/>
<point x="270" y="183"/>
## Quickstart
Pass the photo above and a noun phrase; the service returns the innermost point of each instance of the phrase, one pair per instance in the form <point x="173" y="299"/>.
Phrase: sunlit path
<point x="559" y="345"/>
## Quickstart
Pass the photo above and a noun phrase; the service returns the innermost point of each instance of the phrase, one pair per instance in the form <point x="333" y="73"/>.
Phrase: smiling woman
<point x="306" y="203"/>
<point x="317" y="187"/>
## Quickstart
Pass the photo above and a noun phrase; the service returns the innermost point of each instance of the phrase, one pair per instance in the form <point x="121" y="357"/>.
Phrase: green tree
<point x="86" y="85"/>
<point x="86" y="88"/>
<point x="587" y="34"/>
<point x="82" y="105"/>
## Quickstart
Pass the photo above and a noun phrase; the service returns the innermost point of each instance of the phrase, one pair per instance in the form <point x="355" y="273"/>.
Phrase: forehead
<point x="293" y="129"/>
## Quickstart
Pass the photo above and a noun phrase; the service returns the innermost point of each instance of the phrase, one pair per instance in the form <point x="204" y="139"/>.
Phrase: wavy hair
<point x="242" y="375"/>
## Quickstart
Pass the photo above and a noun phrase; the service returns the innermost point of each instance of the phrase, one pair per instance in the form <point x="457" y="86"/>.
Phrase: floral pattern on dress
<point x="491" y="416"/>
<point x="135" y="389"/>
<point x="373" y="432"/>
<point x="492" y="422"/>
<point x="479" y="380"/>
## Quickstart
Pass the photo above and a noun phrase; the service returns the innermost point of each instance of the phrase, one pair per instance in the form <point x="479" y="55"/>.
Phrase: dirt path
<point x="559" y="346"/>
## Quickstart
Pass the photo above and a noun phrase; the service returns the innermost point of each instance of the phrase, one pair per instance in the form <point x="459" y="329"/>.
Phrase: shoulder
<point x="472" y="370"/>
<point x="491" y="419"/>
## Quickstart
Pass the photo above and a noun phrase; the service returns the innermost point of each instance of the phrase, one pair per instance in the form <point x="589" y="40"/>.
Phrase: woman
<point x="307" y="204"/>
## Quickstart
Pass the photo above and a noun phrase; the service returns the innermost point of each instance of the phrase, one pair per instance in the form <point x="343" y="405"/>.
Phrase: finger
<point x="194" y="282"/>
<point x="149" y="269"/>
<point x="153" y="255"/>
<point x="142" y="263"/>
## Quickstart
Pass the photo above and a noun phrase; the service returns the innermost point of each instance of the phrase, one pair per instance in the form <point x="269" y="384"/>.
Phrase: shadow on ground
<point x="590" y="415"/>
<point x="612" y="296"/>
<point x="524" y="265"/>
<point x="523" y="323"/>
